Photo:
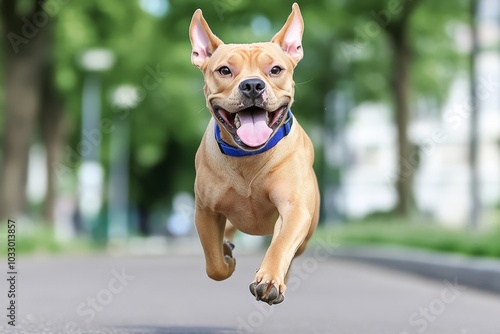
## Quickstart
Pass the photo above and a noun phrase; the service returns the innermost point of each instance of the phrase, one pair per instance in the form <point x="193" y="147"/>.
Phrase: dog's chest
<point x="253" y="215"/>
<point x="248" y="208"/>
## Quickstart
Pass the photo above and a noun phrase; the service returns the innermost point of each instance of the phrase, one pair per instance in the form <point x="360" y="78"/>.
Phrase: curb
<point x="481" y="273"/>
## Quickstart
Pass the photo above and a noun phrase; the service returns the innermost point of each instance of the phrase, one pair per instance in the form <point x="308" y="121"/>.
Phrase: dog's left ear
<point x="290" y="36"/>
<point x="203" y="40"/>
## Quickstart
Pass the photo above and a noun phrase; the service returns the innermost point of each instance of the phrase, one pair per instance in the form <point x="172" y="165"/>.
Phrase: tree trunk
<point x="52" y="131"/>
<point x="407" y="162"/>
<point x="404" y="184"/>
<point x="24" y="57"/>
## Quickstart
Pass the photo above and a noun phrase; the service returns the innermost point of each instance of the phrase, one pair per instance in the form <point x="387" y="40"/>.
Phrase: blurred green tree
<point x="25" y="59"/>
<point x="417" y="53"/>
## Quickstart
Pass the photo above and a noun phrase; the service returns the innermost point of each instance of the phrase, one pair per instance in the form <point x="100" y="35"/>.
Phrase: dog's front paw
<point x="221" y="271"/>
<point x="268" y="289"/>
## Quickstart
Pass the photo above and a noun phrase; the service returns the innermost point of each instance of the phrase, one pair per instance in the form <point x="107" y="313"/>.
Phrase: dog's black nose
<point x="252" y="88"/>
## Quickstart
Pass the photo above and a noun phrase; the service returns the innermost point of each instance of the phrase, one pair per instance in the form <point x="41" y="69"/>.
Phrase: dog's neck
<point x="234" y="151"/>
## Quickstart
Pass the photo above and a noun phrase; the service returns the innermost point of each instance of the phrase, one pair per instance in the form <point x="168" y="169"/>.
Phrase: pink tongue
<point x="253" y="130"/>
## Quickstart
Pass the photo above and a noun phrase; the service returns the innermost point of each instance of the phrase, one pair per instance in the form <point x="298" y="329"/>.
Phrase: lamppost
<point x="91" y="173"/>
<point x="125" y="97"/>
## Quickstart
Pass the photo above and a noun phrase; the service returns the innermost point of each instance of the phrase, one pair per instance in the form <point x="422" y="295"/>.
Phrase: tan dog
<point x="254" y="164"/>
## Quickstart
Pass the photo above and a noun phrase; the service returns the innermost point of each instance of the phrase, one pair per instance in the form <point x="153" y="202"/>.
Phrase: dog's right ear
<point x="203" y="41"/>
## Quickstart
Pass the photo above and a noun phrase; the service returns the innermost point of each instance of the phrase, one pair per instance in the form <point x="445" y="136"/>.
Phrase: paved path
<point x="171" y="294"/>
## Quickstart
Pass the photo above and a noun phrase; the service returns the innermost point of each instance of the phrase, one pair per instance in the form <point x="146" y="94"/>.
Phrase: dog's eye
<point x="275" y="70"/>
<point x="224" y="71"/>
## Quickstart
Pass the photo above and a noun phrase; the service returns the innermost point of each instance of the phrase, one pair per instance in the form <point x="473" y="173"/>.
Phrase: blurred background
<point x="102" y="113"/>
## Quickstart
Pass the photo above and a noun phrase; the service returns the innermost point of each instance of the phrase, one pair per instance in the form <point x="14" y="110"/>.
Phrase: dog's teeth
<point x="237" y="121"/>
<point x="267" y="118"/>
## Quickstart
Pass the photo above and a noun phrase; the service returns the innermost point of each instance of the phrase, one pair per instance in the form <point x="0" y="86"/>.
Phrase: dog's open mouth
<point x="252" y="127"/>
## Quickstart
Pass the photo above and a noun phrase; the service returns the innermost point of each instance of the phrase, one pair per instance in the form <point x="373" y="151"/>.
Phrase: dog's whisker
<point x="304" y="82"/>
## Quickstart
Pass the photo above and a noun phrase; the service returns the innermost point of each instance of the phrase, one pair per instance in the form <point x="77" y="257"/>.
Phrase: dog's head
<point x="248" y="87"/>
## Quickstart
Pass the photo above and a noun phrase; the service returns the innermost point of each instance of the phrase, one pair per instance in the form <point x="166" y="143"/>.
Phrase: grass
<point x="40" y="239"/>
<point x="425" y="236"/>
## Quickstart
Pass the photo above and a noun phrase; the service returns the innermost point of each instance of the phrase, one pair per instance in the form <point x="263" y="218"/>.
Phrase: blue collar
<point x="232" y="151"/>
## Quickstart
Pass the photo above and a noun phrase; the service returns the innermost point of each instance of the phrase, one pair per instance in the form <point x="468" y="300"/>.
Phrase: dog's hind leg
<point x="229" y="233"/>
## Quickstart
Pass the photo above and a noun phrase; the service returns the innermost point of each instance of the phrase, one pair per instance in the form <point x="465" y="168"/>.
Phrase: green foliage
<point x="436" y="59"/>
<point x="366" y="48"/>
<point x="24" y="6"/>
<point x="419" y="235"/>
<point x="39" y="239"/>
<point x="154" y="60"/>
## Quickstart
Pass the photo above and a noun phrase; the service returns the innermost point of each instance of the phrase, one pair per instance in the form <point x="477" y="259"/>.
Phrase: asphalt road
<point x="171" y="294"/>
